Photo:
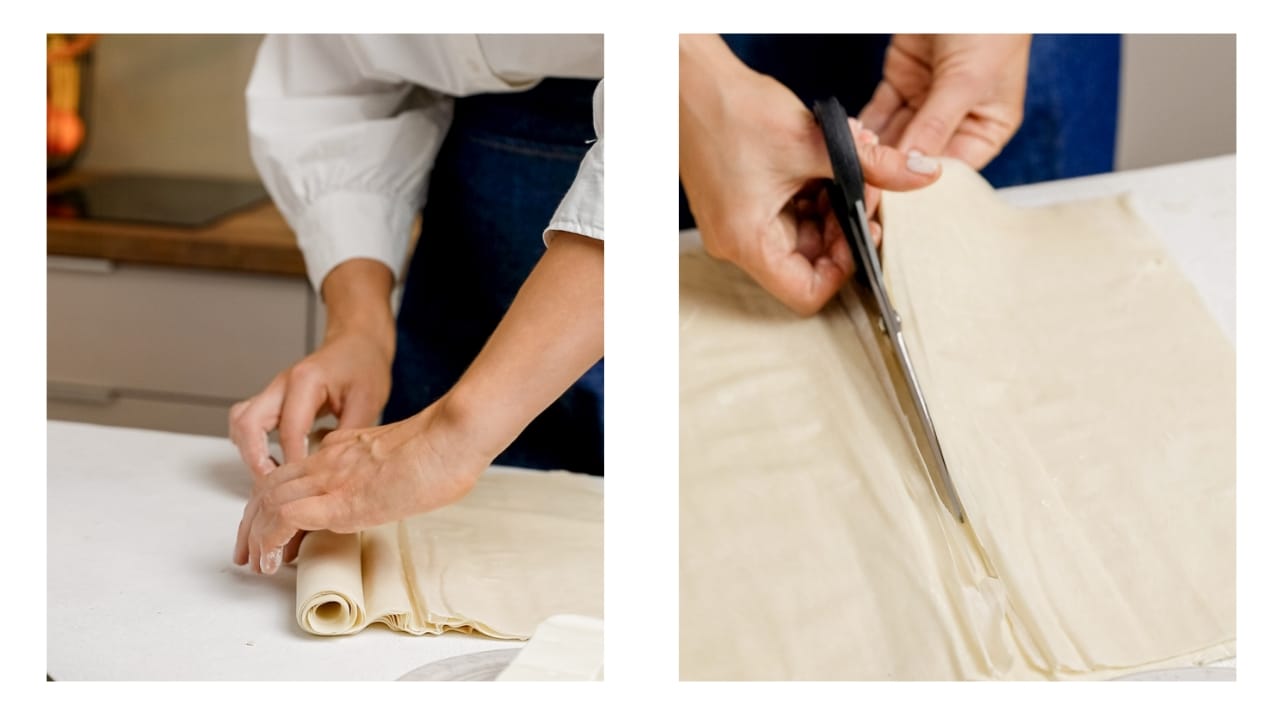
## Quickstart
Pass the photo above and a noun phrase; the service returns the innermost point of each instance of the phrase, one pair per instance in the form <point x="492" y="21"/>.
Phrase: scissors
<point x="848" y="201"/>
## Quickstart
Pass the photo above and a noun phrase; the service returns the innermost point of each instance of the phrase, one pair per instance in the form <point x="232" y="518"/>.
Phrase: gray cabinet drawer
<point x="211" y="334"/>
<point x="102" y="407"/>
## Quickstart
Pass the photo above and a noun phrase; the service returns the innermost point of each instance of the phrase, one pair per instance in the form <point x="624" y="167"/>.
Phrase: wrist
<point x="357" y="297"/>
<point x="457" y="432"/>
<point x="469" y="421"/>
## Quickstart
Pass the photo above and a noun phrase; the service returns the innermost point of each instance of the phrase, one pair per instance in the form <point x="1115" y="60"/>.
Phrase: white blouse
<point x="345" y="128"/>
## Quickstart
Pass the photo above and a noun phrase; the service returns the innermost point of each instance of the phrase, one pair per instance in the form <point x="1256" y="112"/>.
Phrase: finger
<point x="271" y="530"/>
<point x="291" y="550"/>
<point x="244" y="553"/>
<point x="809" y="241"/>
<point x="943" y="110"/>
<point x="877" y="233"/>
<point x="361" y="411"/>
<point x="838" y="250"/>
<point x="838" y="245"/>
<point x="281" y="475"/>
<point x="318" y="435"/>
<point x="337" y="437"/>
<point x="873" y="200"/>
<point x="882" y="165"/>
<point x="249" y="423"/>
<point x="892" y="133"/>
<point x="305" y="396"/>
<point x="800" y="284"/>
<point x="318" y="512"/>
<point x="834" y="236"/>
<point x="884" y="101"/>
<point x="313" y="512"/>
<point x="888" y="168"/>
<point x="241" y="554"/>
<point x="975" y="151"/>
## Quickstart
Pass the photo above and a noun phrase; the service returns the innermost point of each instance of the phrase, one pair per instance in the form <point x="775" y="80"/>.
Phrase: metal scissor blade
<point x="848" y="200"/>
<point x="910" y="398"/>
<point x="903" y="375"/>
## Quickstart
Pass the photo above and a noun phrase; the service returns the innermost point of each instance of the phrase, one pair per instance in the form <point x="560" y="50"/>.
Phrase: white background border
<point x="642" y="381"/>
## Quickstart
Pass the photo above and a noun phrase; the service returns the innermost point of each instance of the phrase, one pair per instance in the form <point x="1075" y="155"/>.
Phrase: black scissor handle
<point x="834" y="121"/>
<point x="847" y="192"/>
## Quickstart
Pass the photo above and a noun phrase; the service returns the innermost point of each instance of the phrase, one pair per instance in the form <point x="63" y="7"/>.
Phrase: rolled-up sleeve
<point x="344" y="156"/>
<point x="581" y="210"/>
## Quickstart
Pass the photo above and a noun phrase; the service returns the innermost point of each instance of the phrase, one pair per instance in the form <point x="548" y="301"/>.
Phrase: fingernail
<point x="866" y="137"/>
<point x="918" y="163"/>
<point x="271" y="561"/>
<point x="857" y="124"/>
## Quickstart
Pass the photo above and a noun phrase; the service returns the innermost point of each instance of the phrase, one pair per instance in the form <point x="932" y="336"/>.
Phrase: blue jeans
<point x="505" y="164"/>
<point x="1069" y="115"/>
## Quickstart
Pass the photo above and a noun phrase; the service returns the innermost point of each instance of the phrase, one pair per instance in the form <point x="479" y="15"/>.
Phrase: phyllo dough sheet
<point x="520" y="547"/>
<point x="1102" y="508"/>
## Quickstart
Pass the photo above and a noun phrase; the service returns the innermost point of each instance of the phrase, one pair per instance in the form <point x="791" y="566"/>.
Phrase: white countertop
<point x="1191" y="206"/>
<point x="141" y="586"/>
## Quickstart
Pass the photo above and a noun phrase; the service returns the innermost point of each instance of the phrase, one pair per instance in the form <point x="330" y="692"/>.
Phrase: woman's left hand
<point x="360" y="479"/>
<point x="959" y="96"/>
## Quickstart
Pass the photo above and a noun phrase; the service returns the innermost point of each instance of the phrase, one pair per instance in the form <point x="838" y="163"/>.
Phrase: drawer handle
<point x="68" y="263"/>
<point x="80" y="393"/>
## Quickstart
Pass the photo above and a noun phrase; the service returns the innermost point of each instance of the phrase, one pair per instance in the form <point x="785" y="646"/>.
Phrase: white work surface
<point x="141" y="583"/>
<point x="1191" y="206"/>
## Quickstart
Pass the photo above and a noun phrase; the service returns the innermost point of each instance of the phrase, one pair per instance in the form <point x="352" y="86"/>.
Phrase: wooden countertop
<point x="253" y="240"/>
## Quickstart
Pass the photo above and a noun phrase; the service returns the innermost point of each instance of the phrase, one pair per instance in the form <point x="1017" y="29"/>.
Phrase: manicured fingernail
<point x="271" y="561"/>
<point x="855" y="123"/>
<point x="918" y="163"/>
<point x="866" y="137"/>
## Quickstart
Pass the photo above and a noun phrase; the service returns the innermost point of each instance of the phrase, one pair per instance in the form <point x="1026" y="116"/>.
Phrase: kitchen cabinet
<point x="166" y="328"/>
<point x="167" y="348"/>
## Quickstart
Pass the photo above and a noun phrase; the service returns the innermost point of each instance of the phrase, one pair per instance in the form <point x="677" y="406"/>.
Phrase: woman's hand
<point x="751" y="158"/>
<point x="349" y="375"/>
<point x="552" y="333"/>
<point x="959" y="96"/>
<point x="360" y="479"/>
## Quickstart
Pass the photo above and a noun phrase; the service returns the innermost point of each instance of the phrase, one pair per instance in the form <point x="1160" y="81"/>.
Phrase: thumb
<point x="882" y="166"/>
<point x="360" y="410"/>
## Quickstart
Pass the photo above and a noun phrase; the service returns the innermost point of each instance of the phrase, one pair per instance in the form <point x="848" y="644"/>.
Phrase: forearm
<point x="357" y="299"/>
<point x="706" y="62"/>
<point x="709" y="72"/>
<point x="552" y="334"/>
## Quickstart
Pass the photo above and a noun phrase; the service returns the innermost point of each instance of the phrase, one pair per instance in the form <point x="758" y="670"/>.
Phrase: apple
<point x="65" y="132"/>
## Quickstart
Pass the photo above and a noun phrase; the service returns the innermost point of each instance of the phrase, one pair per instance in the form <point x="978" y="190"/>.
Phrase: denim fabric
<point x="505" y="164"/>
<point x="1069" y="116"/>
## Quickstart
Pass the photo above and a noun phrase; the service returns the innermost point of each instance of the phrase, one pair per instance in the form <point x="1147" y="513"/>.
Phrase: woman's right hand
<point x="349" y="375"/>
<point x="751" y="154"/>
